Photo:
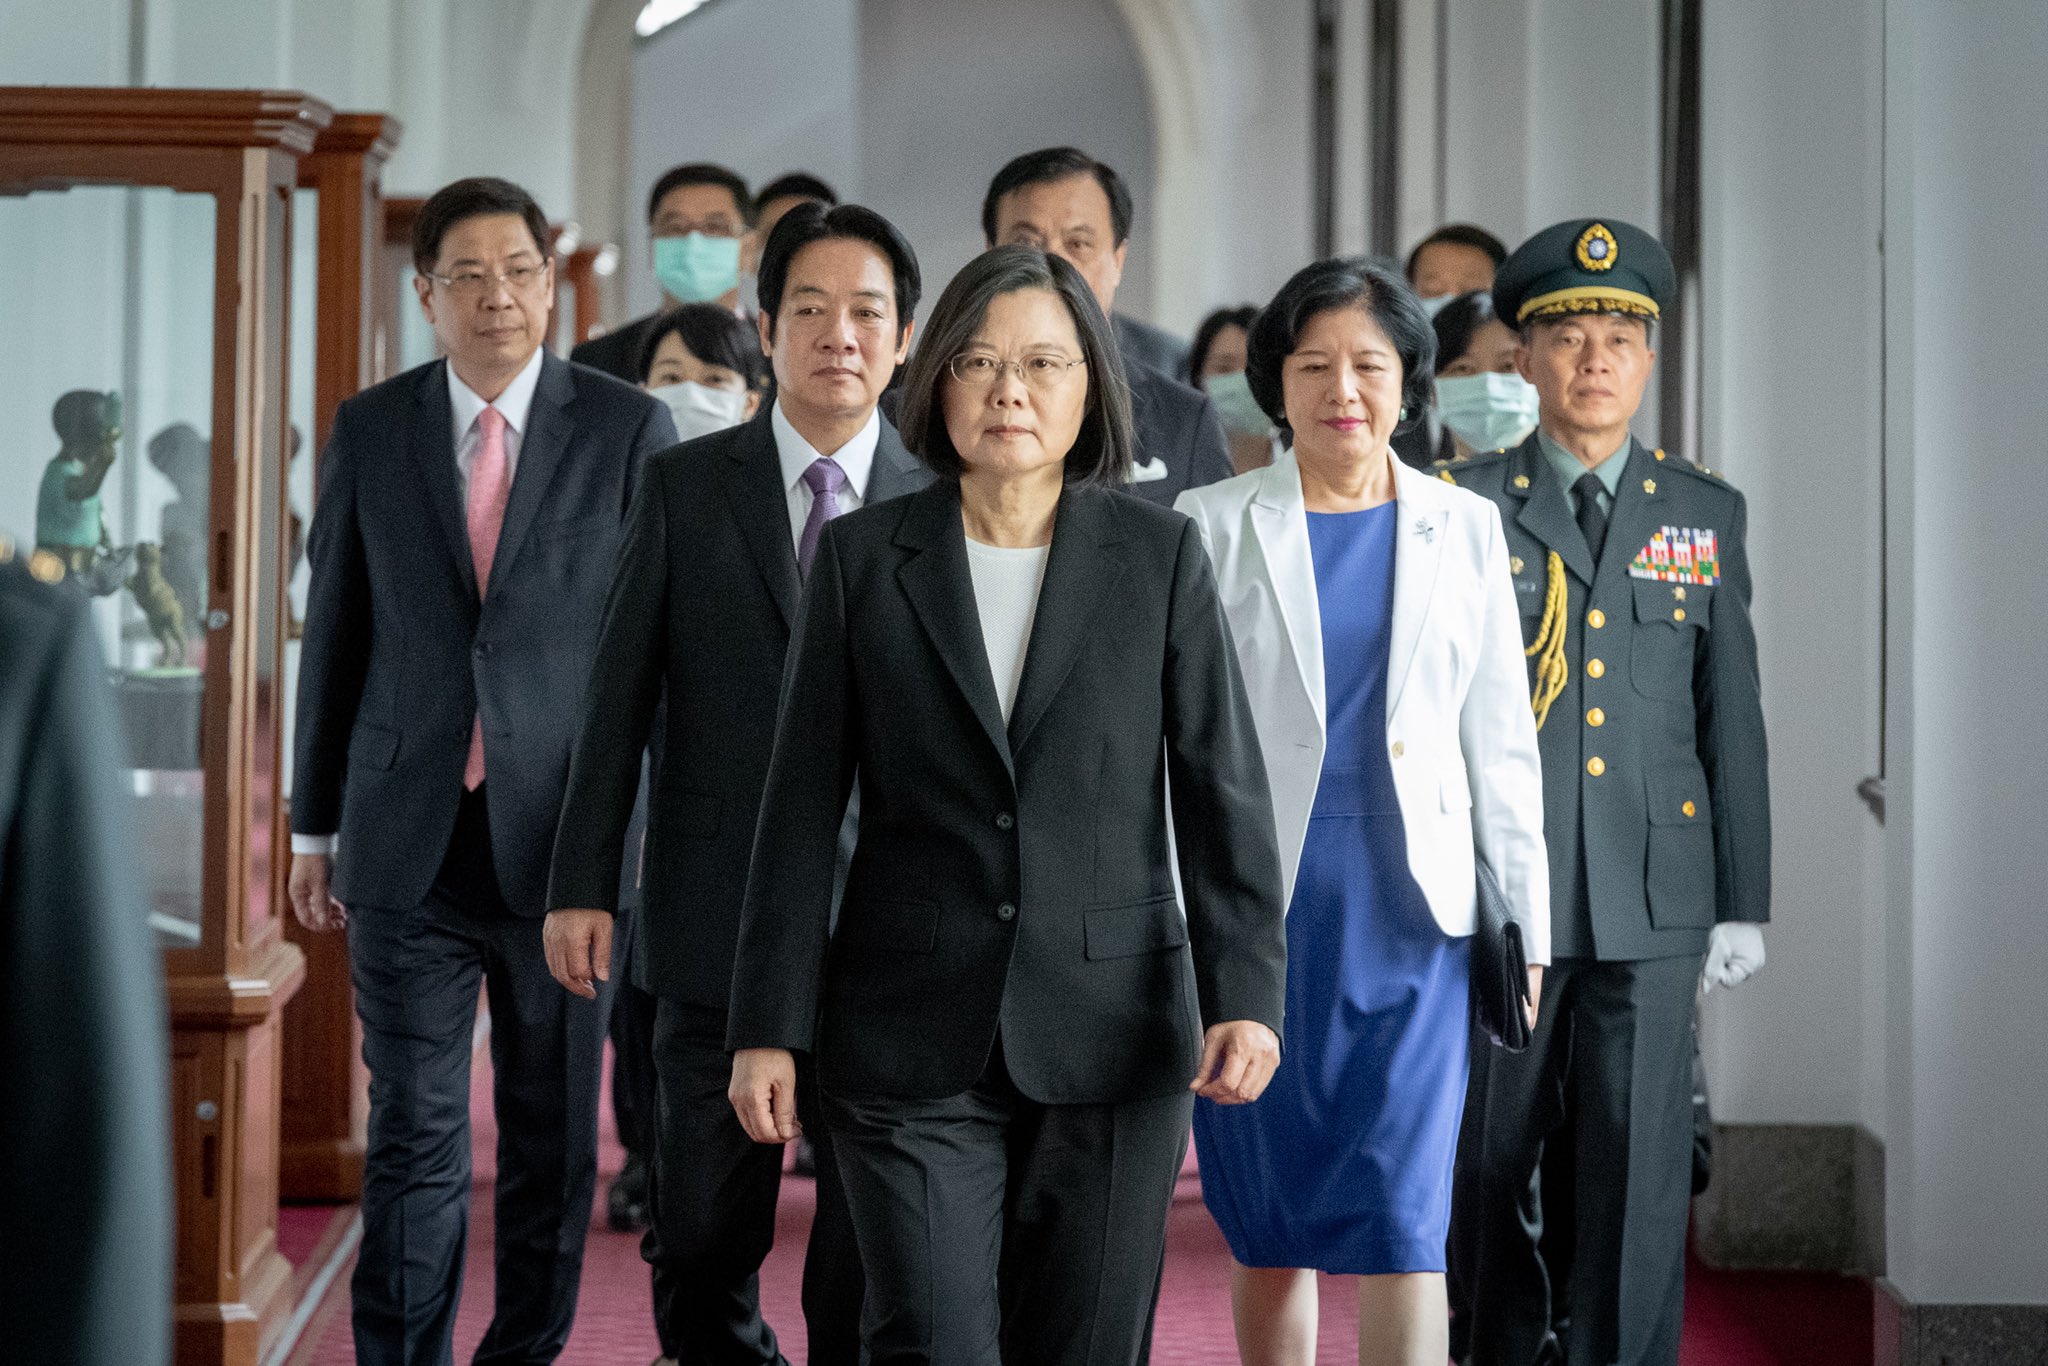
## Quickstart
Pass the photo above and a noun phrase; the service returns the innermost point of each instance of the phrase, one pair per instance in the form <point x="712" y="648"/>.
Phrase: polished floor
<point x="1732" y="1318"/>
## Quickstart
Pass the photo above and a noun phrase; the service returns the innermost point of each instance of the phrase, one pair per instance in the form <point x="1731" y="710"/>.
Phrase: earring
<point x="1404" y="414"/>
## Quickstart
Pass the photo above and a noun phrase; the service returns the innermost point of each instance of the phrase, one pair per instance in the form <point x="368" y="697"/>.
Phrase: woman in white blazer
<point x="1375" y="619"/>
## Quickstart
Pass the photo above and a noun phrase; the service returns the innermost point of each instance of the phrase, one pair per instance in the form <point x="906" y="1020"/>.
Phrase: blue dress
<point x="1344" y="1165"/>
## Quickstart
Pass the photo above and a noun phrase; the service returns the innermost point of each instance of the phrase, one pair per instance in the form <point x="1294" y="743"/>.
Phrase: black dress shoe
<point x="626" y="1204"/>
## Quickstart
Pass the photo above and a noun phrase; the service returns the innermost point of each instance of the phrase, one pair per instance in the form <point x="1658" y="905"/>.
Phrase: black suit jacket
<point x="1177" y="426"/>
<point x="617" y="352"/>
<point x="700" y="613"/>
<point x="400" y="655"/>
<point x="85" y="1154"/>
<point x="1675" y="828"/>
<point x="1012" y="878"/>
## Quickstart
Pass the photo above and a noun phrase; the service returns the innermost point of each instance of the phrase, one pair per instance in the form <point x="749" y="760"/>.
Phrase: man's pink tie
<point x="489" y="484"/>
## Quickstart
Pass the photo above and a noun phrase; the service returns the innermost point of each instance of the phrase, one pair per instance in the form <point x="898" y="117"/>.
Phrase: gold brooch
<point x="1521" y="481"/>
<point x="1649" y="486"/>
<point x="1596" y="249"/>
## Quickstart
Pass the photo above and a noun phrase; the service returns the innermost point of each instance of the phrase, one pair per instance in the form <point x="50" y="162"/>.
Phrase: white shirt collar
<point x="514" y="404"/>
<point x="856" y="457"/>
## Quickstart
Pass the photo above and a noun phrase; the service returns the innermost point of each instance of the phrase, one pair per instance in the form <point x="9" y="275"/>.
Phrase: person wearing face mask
<point x="700" y="220"/>
<point x="707" y="589"/>
<point x="1482" y="401"/>
<point x="1216" y="366"/>
<point x="1455" y="260"/>
<point x="705" y="364"/>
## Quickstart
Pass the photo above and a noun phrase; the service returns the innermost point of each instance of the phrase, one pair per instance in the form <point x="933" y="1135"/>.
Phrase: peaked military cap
<point x="1586" y="265"/>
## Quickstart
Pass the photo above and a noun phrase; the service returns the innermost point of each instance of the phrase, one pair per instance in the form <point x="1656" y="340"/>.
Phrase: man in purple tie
<point x="469" y="514"/>
<point x="698" y="622"/>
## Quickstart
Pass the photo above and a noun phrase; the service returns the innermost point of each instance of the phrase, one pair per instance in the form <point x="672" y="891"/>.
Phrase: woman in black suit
<point x="1011" y="1007"/>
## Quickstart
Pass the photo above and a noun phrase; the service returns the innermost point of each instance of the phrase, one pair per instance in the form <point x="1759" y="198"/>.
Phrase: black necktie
<point x="1592" y="521"/>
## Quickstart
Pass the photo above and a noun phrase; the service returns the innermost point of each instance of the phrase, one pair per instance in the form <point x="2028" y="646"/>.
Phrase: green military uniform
<point x="85" y="1163"/>
<point x="1643" y="670"/>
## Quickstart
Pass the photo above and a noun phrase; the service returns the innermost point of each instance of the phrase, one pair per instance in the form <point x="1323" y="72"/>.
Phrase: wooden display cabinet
<point x="164" y="215"/>
<point x="325" y="1084"/>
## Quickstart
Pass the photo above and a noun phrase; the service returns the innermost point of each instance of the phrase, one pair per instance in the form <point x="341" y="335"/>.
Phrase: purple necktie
<point x="825" y="479"/>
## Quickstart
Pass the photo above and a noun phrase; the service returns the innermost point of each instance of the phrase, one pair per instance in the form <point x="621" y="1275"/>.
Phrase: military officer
<point x="1633" y="582"/>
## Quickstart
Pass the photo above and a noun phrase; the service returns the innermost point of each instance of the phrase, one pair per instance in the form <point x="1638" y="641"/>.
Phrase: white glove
<point x="1734" y="953"/>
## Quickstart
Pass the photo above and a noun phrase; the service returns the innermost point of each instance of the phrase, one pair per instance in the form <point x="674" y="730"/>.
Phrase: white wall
<point x="1791" y="293"/>
<point x="1967" y="1042"/>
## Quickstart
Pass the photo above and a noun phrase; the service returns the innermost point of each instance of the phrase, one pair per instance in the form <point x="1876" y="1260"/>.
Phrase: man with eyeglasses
<point x="462" y="544"/>
<point x="1063" y="201"/>
<point x="700" y="220"/>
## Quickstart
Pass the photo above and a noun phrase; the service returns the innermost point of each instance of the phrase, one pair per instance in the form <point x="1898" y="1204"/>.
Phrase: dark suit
<point x="700" y="614"/>
<point x="85" y="1161"/>
<point x="1009" y="1010"/>
<point x="1657" y="817"/>
<point x="1155" y="346"/>
<point x="446" y="887"/>
<point x="617" y="352"/>
<point x="1178" y="426"/>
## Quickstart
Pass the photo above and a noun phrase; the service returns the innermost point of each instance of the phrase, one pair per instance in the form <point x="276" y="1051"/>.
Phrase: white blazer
<point x="1460" y="734"/>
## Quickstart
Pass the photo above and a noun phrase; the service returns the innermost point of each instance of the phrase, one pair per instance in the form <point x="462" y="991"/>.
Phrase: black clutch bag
<point x="1500" y="969"/>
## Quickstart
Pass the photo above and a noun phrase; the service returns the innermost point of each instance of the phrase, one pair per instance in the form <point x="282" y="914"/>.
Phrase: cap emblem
<point x="1596" y="249"/>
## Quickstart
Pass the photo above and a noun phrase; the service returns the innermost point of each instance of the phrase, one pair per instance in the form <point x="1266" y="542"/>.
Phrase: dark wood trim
<point x="101" y="117"/>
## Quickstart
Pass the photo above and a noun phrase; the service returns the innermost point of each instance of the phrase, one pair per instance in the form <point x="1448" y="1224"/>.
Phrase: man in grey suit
<point x="1063" y="201"/>
<point x="698" y="622"/>
<point x="469" y="514"/>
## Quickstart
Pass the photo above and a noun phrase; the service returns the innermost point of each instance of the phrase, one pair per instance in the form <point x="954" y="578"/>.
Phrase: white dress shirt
<point x="1006" y="583"/>
<point x="467" y="406"/>
<point x="856" y="459"/>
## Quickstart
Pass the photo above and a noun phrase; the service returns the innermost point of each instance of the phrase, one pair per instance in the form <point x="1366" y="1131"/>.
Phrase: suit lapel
<point x="760" y="506"/>
<point x="941" y="591"/>
<point x="432" y="440"/>
<point x="1280" y="525"/>
<point x="541" y="448"/>
<point x="1638" y="512"/>
<point x="1421" y="525"/>
<point x="1546" y="514"/>
<point x="895" y="472"/>
<point x="1081" y="574"/>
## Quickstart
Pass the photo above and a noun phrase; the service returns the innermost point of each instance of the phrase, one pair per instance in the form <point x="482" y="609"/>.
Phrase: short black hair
<point x="1104" y="449"/>
<point x="1459" y="235"/>
<point x="1342" y="282"/>
<point x="1057" y="163"/>
<point x="795" y="185"/>
<point x="714" y="335"/>
<point x="1458" y="321"/>
<point x="811" y="222"/>
<point x="1206" y="334"/>
<point x="702" y="173"/>
<point x="477" y="197"/>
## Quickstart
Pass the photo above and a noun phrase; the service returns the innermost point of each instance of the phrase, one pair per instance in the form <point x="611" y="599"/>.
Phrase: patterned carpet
<point x="1732" y="1318"/>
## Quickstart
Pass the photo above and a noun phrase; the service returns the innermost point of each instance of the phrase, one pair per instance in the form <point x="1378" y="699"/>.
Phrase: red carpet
<point x="1731" y="1319"/>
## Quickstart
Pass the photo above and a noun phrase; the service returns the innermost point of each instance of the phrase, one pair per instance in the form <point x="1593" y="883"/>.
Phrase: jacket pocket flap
<point x="1674" y="604"/>
<point x="1678" y="796"/>
<point x="1141" y="927"/>
<point x="372" y="746"/>
<point x="898" y="926"/>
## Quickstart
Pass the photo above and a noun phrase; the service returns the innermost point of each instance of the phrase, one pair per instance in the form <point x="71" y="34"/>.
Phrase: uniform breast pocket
<point x="1679" y="878"/>
<point x="1670" y="626"/>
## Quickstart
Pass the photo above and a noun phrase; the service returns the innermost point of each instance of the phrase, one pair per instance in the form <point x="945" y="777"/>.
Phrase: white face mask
<point x="700" y="410"/>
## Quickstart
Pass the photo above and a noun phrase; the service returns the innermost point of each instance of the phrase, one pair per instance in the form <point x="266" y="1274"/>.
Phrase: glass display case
<point x="337" y="246"/>
<point x="143" y="328"/>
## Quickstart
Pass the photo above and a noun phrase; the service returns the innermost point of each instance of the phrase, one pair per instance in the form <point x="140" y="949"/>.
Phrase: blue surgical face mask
<point x="696" y="269"/>
<point x="1487" y="411"/>
<point x="1433" y="304"/>
<point x="1241" y="414"/>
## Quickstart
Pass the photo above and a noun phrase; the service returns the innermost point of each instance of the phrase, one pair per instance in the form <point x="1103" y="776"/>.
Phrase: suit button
<point x="1689" y="809"/>
<point x="1399" y="749"/>
<point x="1596" y="717"/>
<point x="1596" y="618"/>
<point x="1595" y="669"/>
<point x="1596" y="765"/>
<point x="1005" y="821"/>
<point x="1678" y="614"/>
<point x="1006" y="912"/>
